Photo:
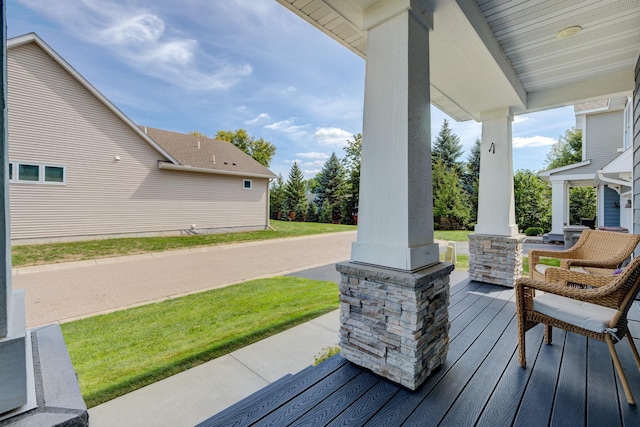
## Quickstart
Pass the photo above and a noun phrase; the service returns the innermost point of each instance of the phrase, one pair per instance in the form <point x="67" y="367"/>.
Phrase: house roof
<point x="202" y="154"/>
<point x="35" y="39"/>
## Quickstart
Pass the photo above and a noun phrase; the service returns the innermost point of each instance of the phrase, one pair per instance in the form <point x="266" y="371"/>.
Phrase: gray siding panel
<point x="636" y="151"/>
<point x="53" y="119"/>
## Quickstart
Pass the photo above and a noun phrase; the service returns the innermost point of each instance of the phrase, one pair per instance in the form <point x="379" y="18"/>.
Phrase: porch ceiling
<point x="490" y="54"/>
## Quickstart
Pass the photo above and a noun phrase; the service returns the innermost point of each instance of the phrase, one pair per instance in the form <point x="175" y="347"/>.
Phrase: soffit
<point x="489" y="54"/>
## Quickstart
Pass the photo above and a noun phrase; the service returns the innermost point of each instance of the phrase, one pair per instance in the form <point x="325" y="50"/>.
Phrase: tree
<point x="582" y="204"/>
<point x="262" y="151"/>
<point x="471" y="179"/>
<point x="295" y="193"/>
<point x="351" y="163"/>
<point x="331" y="187"/>
<point x="277" y="199"/>
<point x="447" y="148"/>
<point x="566" y="151"/>
<point x="532" y="200"/>
<point x="450" y="205"/>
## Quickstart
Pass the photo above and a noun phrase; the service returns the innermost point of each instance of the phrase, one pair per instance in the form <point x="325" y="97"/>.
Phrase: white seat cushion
<point x="541" y="268"/>
<point x="585" y="315"/>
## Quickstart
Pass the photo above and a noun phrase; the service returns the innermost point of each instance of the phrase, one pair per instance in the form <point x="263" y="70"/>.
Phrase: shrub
<point x="533" y="231"/>
<point x="326" y="353"/>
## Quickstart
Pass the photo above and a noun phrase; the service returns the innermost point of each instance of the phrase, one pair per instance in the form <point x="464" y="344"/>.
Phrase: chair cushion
<point x="585" y="315"/>
<point x="541" y="268"/>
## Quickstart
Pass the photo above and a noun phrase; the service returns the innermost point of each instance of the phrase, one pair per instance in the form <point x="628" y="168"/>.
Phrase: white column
<point x="496" y="205"/>
<point x="559" y="206"/>
<point x="395" y="216"/>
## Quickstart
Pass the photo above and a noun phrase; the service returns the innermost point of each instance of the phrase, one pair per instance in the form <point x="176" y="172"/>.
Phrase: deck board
<point x="571" y="382"/>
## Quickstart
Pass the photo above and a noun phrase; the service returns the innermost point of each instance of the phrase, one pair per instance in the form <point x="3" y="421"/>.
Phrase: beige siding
<point x="53" y="119"/>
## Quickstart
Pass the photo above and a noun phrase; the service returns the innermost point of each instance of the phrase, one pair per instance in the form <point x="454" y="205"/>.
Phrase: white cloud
<point x="287" y="126"/>
<point x="139" y="38"/>
<point x="521" y="119"/>
<point x="310" y="172"/>
<point x="313" y="155"/>
<point x="260" y="118"/>
<point x="532" y="141"/>
<point x="332" y="136"/>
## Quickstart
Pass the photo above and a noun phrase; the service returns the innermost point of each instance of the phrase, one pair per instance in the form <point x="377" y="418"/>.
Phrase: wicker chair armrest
<point x="562" y="276"/>
<point x="565" y="291"/>
<point x="606" y="263"/>
<point x="537" y="253"/>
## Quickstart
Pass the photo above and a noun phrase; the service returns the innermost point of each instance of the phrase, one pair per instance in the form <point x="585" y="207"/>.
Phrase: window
<point x="36" y="173"/>
<point x="246" y="184"/>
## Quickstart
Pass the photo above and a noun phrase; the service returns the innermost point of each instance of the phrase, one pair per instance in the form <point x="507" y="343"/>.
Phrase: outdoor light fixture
<point x="628" y="205"/>
<point x="568" y="32"/>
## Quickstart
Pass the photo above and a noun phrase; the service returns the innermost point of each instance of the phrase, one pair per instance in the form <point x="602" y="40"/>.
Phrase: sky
<point x="228" y="64"/>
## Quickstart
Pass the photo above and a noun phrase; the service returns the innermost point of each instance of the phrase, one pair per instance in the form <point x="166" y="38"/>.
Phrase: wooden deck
<point x="569" y="383"/>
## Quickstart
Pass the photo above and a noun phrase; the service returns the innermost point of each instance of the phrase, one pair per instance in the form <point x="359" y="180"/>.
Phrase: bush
<point x="326" y="353"/>
<point x="533" y="231"/>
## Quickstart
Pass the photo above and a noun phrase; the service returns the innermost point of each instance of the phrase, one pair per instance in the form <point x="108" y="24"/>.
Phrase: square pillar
<point x="395" y="323"/>
<point x="496" y="259"/>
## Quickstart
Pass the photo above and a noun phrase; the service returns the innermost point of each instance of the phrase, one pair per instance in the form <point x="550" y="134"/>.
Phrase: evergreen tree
<point x="295" y="193"/>
<point x="450" y="205"/>
<point x="471" y="179"/>
<point x="351" y="162"/>
<point x="448" y="149"/>
<point x="331" y="187"/>
<point x="277" y="199"/>
<point x="532" y="201"/>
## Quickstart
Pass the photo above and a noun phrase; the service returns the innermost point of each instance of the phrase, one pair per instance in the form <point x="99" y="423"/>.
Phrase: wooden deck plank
<point x="444" y="394"/>
<point x="338" y="402"/>
<point x="569" y="405"/>
<point x="306" y="400"/>
<point x="537" y="402"/>
<point x="504" y="401"/>
<point x="602" y="399"/>
<point x="630" y="413"/>
<point x="258" y="405"/>
<point x="366" y="407"/>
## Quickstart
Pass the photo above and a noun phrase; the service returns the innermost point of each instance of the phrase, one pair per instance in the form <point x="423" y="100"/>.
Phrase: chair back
<point x="624" y="289"/>
<point x="599" y="245"/>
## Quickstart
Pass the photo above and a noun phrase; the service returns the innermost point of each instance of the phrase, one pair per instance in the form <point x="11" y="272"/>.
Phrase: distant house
<point x="607" y="162"/>
<point x="80" y="168"/>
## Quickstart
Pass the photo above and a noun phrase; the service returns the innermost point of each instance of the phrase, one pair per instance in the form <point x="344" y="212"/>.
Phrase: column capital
<point x="384" y="10"/>
<point x="497" y="113"/>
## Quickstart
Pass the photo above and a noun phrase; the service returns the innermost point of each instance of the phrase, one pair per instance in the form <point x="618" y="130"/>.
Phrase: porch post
<point x="394" y="292"/>
<point x="13" y="333"/>
<point x="559" y="207"/>
<point x="495" y="249"/>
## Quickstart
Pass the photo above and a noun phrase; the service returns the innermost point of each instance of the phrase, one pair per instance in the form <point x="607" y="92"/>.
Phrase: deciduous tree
<point x="262" y="151"/>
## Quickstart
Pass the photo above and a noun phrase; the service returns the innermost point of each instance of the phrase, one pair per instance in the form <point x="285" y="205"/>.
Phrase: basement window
<point x="36" y="173"/>
<point x="246" y="184"/>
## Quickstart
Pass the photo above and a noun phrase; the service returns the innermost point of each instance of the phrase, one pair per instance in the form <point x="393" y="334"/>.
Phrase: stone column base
<point x="395" y="323"/>
<point x="495" y="259"/>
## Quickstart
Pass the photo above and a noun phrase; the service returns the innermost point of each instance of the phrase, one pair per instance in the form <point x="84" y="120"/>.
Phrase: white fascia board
<point x="171" y="166"/>
<point x="574" y="177"/>
<point x="548" y="173"/>
<point x="34" y="38"/>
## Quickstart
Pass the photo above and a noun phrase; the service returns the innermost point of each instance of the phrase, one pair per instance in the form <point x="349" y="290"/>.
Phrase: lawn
<point x="452" y="235"/>
<point x="119" y="352"/>
<point x="24" y="255"/>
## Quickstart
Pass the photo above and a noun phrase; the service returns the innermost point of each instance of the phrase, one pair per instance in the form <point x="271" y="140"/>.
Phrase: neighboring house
<point x="82" y="169"/>
<point x="607" y="163"/>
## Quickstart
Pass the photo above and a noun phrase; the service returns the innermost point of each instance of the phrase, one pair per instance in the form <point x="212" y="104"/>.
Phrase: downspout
<point x="269" y="205"/>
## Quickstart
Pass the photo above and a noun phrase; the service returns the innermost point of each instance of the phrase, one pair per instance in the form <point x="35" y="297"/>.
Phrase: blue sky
<point x="227" y="64"/>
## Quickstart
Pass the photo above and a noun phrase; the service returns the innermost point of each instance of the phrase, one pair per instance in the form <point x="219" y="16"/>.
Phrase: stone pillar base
<point x="395" y="323"/>
<point x="495" y="259"/>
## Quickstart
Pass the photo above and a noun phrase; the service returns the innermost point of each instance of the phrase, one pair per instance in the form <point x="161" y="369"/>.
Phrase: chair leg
<point x="618" y="366"/>
<point x="548" y="334"/>
<point x="522" y="352"/>
<point x="634" y="350"/>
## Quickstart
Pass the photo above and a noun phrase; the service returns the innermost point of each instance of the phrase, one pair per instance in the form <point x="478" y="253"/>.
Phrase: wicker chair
<point x="596" y="252"/>
<point x="599" y="312"/>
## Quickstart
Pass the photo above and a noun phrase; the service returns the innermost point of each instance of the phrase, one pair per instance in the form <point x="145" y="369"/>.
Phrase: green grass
<point x="554" y="262"/>
<point x="119" y="352"/>
<point x="452" y="235"/>
<point x="24" y="255"/>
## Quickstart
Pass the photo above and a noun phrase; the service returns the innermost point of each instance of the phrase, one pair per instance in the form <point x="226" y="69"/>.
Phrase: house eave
<point x="186" y="168"/>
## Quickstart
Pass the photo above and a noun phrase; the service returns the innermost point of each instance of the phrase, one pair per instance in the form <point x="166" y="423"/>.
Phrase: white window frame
<point x="628" y="121"/>
<point x="15" y="168"/>
<point x="244" y="184"/>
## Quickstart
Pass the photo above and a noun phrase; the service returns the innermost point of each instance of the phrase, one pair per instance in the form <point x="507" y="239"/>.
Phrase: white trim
<point x="244" y="186"/>
<point x="34" y="38"/>
<point x="573" y="177"/>
<point x="15" y="169"/>
<point x="550" y="172"/>
<point x="171" y="166"/>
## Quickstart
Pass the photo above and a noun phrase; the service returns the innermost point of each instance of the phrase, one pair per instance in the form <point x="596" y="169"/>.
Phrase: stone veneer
<point x="495" y="259"/>
<point x="395" y="323"/>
